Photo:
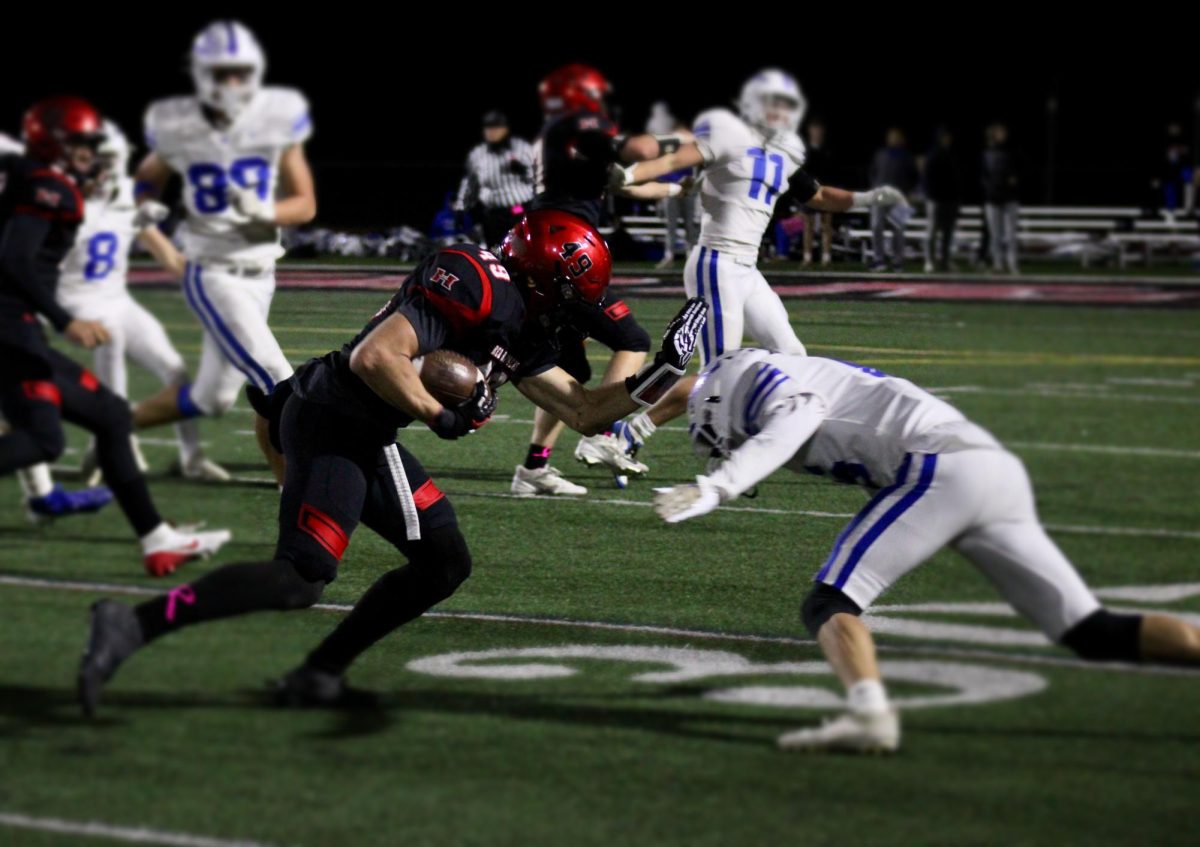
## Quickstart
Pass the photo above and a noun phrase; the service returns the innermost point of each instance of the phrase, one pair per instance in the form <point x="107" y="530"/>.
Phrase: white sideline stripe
<point x="1108" y="449"/>
<point x="1089" y="394"/>
<point x="133" y="835"/>
<point x="653" y="629"/>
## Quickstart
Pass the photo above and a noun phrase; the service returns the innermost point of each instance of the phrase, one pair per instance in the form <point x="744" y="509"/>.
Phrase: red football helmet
<point x="556" y="258"/>
<point x="573" y="88"/>
<point x="51" y="124"/>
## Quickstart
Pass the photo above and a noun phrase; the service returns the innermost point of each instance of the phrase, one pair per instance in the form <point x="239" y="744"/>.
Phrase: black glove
<point x="466" y="417"/>
<point x="648" y="385"/>
<point x="517" y="168"/>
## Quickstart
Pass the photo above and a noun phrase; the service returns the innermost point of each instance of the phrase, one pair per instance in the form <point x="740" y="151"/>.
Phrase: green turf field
<point x="662" y="661"/>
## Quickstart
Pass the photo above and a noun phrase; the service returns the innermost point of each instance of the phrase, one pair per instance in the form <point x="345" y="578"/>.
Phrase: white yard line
<point x="1048" y="660"/>
<point x="128" y="834"/>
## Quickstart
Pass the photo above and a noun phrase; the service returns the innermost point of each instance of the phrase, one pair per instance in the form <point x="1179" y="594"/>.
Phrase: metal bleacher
<point x="1087" y="234"/>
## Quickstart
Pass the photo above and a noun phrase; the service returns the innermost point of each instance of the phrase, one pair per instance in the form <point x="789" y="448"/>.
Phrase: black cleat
<point x="116" y="635"/>
<point x="308" y="687"/>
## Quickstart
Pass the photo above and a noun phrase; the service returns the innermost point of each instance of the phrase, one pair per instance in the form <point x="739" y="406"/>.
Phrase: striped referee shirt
<point x="498" y="178"/>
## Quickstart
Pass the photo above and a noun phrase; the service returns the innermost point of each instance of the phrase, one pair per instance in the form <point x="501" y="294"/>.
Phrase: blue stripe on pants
<point x="928" y="466"/>
<point x="700" y="294"/>
<point x="714" y="285"/>
<point x="189" y="291"/>
<point x="264" y="381"/>
<point x="901" y="478"/>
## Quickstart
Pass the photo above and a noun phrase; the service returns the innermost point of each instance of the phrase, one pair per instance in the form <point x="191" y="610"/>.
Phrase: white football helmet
<point x="771" y="100"/>
<point x="114" y="153"/>
<point x="227" y="46"/>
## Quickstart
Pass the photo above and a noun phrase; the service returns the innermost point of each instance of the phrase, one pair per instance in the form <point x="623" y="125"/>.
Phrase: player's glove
<point x="648" y="385"/>
<point x="247" y="201"/>
<point x="619" y="177"/>
<point x="466" y="417"/>
<point x="149" y="214"/>
<point x="681" y="502"/>
<point x="884" y="196"/>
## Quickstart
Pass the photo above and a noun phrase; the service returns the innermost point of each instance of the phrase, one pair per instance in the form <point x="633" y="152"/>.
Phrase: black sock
<point x="537" y="457"/>
<point x="232" y="590"/>
<point x="134" y="499"/>
<point x="393" y="600"/>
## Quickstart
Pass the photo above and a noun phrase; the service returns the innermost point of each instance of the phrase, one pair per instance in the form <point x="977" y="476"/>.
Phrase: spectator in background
<point x="819" y="165"/>
<point x="943" y="196"/>
<point x="1000" y="186"/>
<point x="893" y="165"/>
<point x="498" y="181"/>
<point x="679" y="210"/>
<point x="1172" y="181"/>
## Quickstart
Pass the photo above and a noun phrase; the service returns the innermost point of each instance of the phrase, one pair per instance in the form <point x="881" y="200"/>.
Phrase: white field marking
<point x="132" y="835"/>
<point x="1093" y="394"/>
<point x="1108" y="449"/>
<point x="1150" y="593"/>
<point x="1163" y="383"/>
<point x="154" y="441"/>
<point x="969" y="683"/>
<point x="1024" y="658"/>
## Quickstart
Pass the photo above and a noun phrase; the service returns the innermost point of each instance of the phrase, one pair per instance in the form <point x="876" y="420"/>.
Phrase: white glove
<point x="885" y="196"/>
<point x="686" y="501"/>
<point x="247" y="201"/>
<point x="148" y="214"/>
<point x="619" y="177"/>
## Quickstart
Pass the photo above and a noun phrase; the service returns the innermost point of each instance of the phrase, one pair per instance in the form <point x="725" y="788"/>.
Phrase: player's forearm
<point x="23" y="238"/>
<point x="600" y="407"/>
<point x="295" y="211"/>
<point x="394" y="378"/>
<point x="651" y="191"/>
<point x="830" y="199"/>
<point x="163" y="251"/>
<point x="760" y="456"/>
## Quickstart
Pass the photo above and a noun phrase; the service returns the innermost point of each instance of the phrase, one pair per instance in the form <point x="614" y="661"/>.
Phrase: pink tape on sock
<point x="544" y="453"/>
<point x="184" y="594"/>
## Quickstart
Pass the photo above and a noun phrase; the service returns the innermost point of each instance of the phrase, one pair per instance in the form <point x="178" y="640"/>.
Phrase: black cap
<point x="495" y="118"/>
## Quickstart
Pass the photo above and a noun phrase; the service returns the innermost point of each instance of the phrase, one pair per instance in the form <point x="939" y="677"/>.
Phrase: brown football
<point x="449" y="376"/>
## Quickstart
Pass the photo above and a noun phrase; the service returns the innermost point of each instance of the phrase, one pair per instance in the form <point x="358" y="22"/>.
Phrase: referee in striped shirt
<point x="499" y="179"/>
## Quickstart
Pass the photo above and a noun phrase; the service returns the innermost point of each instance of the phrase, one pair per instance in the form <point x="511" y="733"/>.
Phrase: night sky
<point x="396" y="108"/>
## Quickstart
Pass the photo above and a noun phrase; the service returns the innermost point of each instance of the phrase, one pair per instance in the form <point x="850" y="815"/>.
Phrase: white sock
<point x="36" y="481"/>
<point x="159" y="535"/>
<point x="867" y="696"/>
<point x="642" y="426"/>
<point x="188" y="432"/>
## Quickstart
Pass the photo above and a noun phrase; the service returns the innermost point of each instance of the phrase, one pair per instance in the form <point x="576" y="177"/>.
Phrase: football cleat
<point x="115" y="636"/>
<point x="609" y="450"/>
<point x="162" y="556"/>
<point x="545" y="480"/>
<point x="60" y="503"/>
<point x="852" y="732"/>
<point x="200" y="468"/>
<point x="308" y="687"/>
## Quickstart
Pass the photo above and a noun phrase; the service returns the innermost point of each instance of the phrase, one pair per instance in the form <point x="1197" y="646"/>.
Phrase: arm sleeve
<point x="715" y="132"/>
<point x="787" y="424"/>
<point x="802" y="186"/>
<point x="23" y="237"/>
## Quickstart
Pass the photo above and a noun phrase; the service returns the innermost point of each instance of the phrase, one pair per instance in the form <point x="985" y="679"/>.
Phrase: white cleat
<point x="848" y="733"/>
<point x="608" y="450"/>
<point x="200" y="468"/>
<point x="164" y="554"/>
<point x="545" y="480"/>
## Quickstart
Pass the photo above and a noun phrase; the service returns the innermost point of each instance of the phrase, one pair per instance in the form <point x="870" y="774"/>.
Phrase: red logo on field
<point x="46" y="197"/>
<point x="444" y="278"/>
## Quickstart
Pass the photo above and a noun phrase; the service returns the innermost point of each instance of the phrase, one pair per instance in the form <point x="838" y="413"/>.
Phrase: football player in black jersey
<point x="335" y="421"/>
<point x="40" y="210"/>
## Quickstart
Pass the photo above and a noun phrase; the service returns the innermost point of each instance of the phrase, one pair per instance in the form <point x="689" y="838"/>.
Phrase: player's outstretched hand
<point x="686" y="501"/>
<point x="87" y="334"/>
<point x="148" y="214"/>
<point x="648" y="385"/>
<point x="886" y="196"/>
<point x="468" y="416"/>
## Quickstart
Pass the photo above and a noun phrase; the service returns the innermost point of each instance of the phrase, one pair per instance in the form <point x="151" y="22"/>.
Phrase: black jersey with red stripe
<point x="41" y="203"/>
<point x="576" y="151"/>
<point x="460" y="298"/>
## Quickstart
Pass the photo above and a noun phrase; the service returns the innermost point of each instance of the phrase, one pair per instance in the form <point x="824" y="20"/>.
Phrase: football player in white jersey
<point x="747" y="161"/>
<point x="239" y="148"/>
<point x="938" y="480"/>
<point x="92" y="285"/>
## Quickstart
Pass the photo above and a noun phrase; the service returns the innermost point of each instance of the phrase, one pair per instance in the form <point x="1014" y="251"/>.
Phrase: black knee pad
<point x="49" y="440"/>
<point x="822" y="603"/>
<point x="297" y="592"/>
<point x="113" y="415"/>
<point x="443" y="557"/>
<point x="1105" y="636"/>
<point x="314" y="566"/>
